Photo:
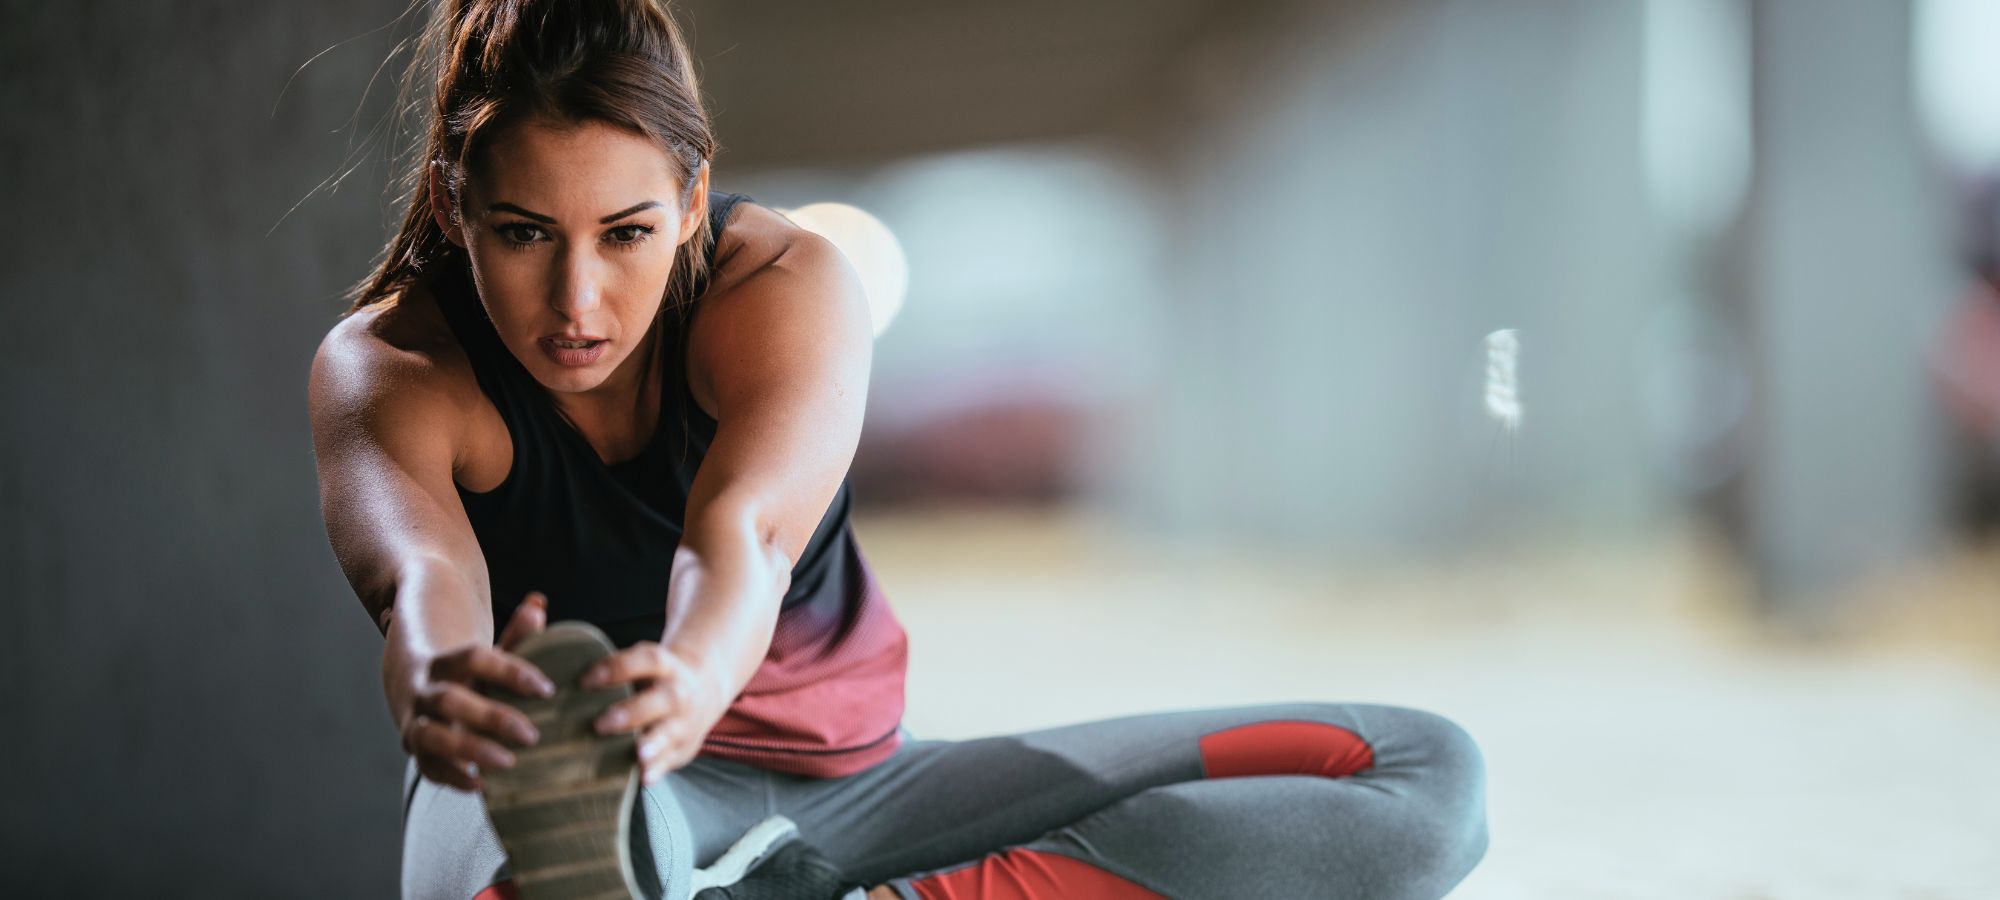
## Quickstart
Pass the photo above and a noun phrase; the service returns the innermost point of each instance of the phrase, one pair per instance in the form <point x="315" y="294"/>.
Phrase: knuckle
<point x="458" y="742"/>
<point x="451" y="702"/>
<point x="496" y="718"/>
<point x="430" y="741"/>
<point x="448" y="741"/>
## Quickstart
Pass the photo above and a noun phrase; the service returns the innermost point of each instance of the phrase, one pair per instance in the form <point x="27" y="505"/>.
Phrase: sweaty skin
<point x="779" y="351"/>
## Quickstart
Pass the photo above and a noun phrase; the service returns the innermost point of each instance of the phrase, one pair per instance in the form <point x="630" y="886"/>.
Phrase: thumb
<point x="530" y="617"/>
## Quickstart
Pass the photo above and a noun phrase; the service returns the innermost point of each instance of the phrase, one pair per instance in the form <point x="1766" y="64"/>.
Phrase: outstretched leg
<point x="1291" y="800"/>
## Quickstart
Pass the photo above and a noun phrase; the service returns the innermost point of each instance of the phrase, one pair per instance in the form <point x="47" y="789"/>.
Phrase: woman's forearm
<point x="436" y="609"/>
<point x="722" y="603"/>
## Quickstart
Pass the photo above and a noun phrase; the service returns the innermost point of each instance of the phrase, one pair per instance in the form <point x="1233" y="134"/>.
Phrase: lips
<point x="573" y="351"/>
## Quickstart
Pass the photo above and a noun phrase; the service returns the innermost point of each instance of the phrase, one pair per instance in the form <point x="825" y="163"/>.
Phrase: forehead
<point x="594" y="162"/>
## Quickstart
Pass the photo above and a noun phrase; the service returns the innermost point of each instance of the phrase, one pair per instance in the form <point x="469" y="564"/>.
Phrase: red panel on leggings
<point x="1285" y="748"/>
<point x="502" y="891"/>
<point x="1029" y="875"/>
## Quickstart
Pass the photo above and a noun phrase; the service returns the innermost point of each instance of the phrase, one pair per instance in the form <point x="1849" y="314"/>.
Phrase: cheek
<point x="506" y="268"/>
<point x="635" y="289"/>
<point x="513" y="300"/>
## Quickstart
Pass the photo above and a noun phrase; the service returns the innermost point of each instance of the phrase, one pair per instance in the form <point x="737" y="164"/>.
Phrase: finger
<point x="654" y="747"/>
<point x="493" y="665"/>
<point x="665" y="750"/>
<point x="641" y="660"/>
<point x="650" y="743"/>
<point x="640" y="711"/>
<point x="530" y="617"/>
<point x="421" y="739"/>
<point x="460" y="704"/>
<point x="458" y="745"/>
<point x="447" y="773"/>
<point x="667" y="738"/>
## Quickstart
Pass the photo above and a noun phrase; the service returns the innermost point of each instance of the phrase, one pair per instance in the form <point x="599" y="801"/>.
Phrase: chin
<point x="571" y="381"/>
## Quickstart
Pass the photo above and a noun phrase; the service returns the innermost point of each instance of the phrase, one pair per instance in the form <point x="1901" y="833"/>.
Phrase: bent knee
<point x="1404" y="738"/>
<point x="1448" y="777"/>
<point x="1449" y="748"/>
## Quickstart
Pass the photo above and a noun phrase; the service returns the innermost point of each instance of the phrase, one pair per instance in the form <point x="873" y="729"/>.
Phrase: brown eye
<point x="629" y="235"/>
<point x="518" y="233"/>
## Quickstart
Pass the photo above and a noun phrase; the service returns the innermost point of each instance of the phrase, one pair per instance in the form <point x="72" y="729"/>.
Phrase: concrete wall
<point x="191" y="699"/>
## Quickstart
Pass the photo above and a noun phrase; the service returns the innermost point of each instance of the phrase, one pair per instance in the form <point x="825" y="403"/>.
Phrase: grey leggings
<point x="1294" y="800"/>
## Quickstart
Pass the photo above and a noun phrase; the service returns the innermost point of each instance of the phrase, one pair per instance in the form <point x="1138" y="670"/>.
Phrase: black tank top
<point x="599" y="539"/>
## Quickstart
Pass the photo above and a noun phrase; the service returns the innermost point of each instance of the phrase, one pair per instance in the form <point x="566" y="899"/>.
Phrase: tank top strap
<point x="720" y="205"/>
<point x="492" y="363"/>
<point x="681" y="402"/>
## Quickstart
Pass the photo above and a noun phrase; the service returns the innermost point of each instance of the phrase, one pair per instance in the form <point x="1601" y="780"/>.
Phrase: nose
<point x="578" y="286"/>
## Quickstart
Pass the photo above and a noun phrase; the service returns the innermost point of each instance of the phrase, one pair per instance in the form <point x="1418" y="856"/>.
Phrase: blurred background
<point x="1185" y="407"/>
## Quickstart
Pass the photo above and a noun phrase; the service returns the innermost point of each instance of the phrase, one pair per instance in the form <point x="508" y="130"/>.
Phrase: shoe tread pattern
<point x="562" y="812"/>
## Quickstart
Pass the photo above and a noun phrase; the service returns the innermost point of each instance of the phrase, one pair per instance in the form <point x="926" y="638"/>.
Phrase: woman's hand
<point x="675" y="704"/>
<point x="454" y="731"/>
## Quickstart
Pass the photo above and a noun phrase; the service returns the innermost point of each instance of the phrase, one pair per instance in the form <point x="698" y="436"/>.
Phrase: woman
<point x="582" y="385"/>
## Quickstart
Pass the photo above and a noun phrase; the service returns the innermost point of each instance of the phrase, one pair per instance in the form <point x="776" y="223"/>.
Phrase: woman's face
<point x="571" y="230"/>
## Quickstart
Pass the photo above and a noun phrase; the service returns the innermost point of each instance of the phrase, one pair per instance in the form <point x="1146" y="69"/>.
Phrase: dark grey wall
<point x="191" y="699"/>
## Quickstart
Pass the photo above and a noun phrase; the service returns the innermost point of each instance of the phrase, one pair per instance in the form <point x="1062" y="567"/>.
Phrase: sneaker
<point x="771" y="862"/>
<point x="564" y="811"/>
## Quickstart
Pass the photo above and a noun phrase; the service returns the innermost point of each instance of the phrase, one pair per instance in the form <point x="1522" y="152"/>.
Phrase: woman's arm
<point x="785" y="354"/>
<point x="384" y="438"/>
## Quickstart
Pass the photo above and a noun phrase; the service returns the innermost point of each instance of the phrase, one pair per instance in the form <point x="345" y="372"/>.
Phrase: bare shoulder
<point x="767" y="265"/>
<point x="386" y="362"/>
<point x="757" y="239"/>
<point x="777" y="288"/>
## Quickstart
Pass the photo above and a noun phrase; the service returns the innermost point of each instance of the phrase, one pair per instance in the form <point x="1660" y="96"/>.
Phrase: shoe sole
<point x="563" y="812"/>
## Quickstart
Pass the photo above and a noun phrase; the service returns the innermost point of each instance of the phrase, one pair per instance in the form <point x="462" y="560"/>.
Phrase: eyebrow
<point x="551" y="220"/>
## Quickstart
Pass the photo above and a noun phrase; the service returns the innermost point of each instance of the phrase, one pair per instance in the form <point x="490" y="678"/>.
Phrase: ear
<point x="697" y="210"/>
<point x="442" y="208"/>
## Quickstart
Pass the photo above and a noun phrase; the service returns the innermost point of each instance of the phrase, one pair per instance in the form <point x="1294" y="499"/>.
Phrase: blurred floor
<point x="1643" y="739"/>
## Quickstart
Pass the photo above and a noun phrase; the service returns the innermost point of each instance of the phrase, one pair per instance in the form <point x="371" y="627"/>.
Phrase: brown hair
<point x="495" y="63"/>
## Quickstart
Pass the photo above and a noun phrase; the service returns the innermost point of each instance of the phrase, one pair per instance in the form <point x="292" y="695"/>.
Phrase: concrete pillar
<point x="1848" y="257"/>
